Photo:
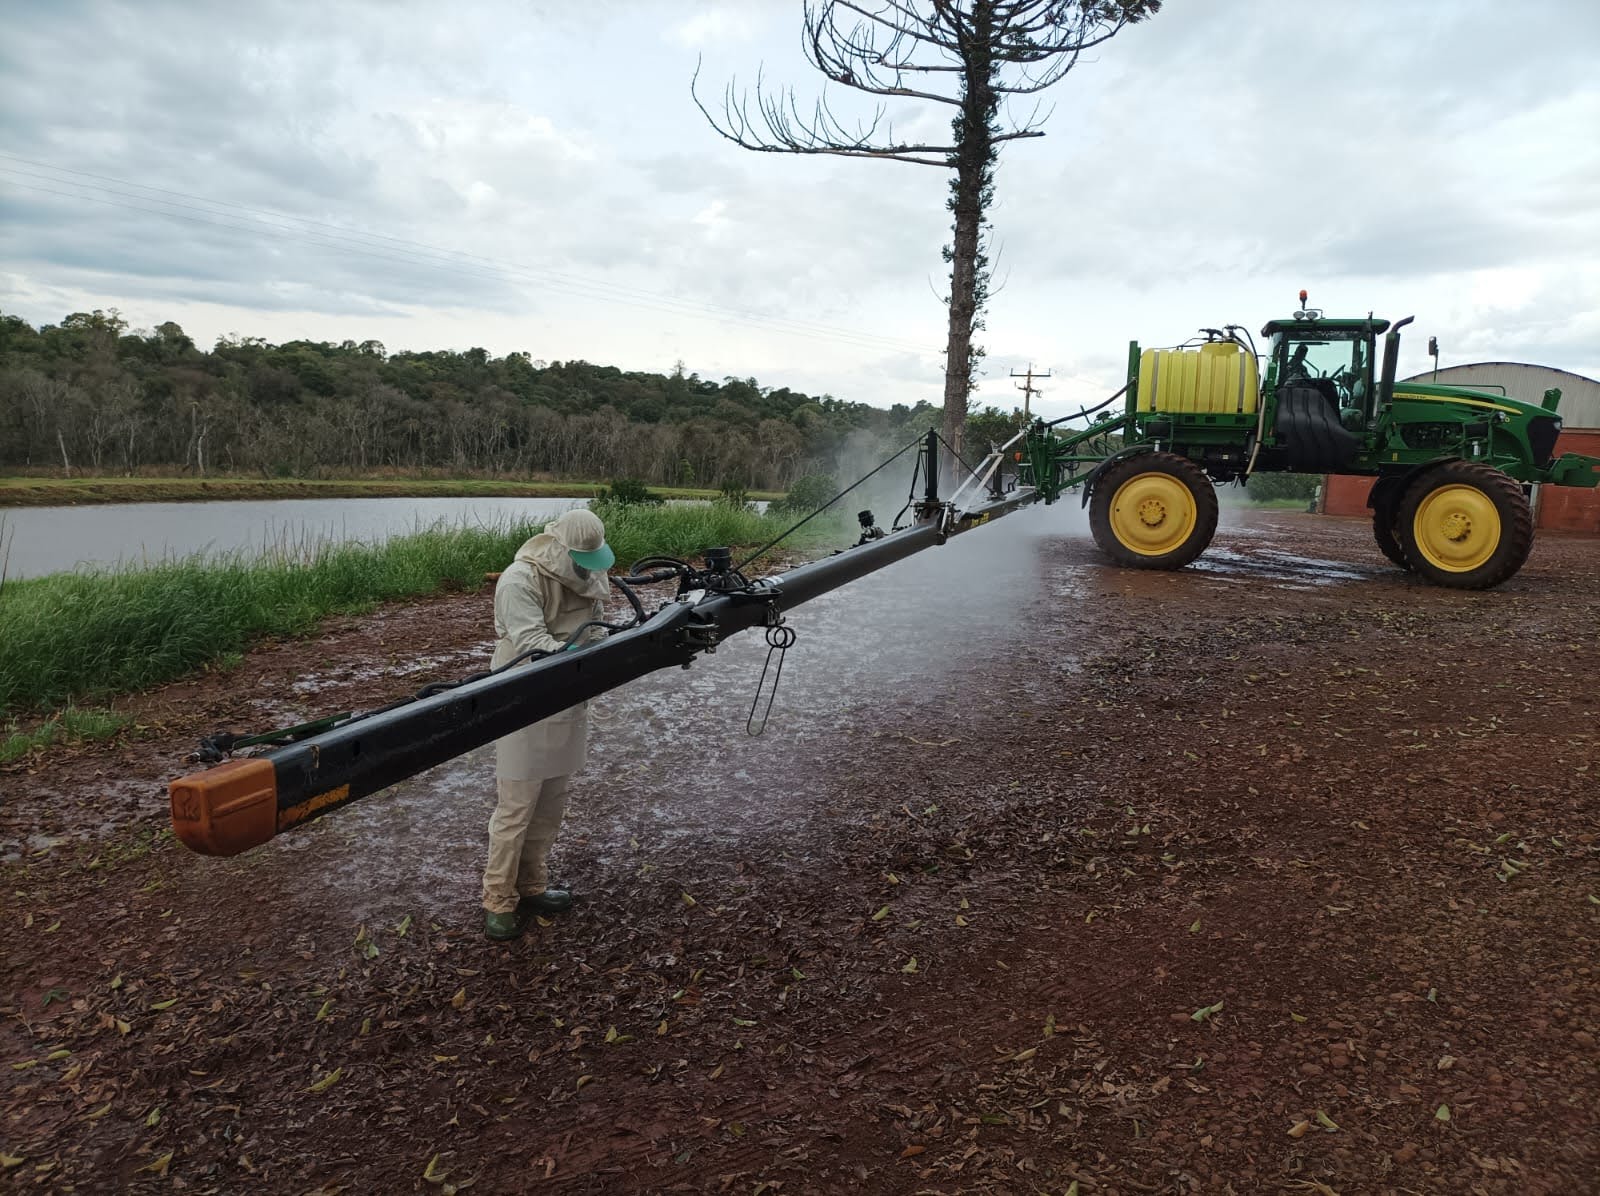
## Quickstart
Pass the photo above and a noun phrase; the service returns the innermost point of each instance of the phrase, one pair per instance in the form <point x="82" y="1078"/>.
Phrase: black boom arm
<point x="242" y="803"/>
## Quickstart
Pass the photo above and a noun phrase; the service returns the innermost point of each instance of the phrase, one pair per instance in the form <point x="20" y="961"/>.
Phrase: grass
<point x="43" y="492"/>
<point x="88" y="635"/>
<point x="72" y="725"/>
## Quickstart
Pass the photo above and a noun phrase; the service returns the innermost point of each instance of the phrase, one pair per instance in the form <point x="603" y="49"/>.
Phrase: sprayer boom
<point x="242" y="803"/>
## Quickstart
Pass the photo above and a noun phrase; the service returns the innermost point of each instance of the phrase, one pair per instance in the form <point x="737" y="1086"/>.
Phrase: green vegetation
<point x="629" y="492"/>
<point x="88" y="635"/>
<point x="1275" y="487"/>
<point x="71" y="725"/>
<point x="55" y="492"/>
<point x="807" y="494"/>
<point x="89" y="395"/>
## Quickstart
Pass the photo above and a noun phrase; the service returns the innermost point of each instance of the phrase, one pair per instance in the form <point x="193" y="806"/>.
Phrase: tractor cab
<point x="1334" y="358"/>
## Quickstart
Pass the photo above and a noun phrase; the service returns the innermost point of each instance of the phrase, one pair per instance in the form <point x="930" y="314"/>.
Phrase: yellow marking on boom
<point x="298" y="814"/>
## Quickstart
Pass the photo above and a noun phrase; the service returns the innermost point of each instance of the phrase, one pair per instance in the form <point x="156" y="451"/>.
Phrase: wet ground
<point x="1278" y="874"/>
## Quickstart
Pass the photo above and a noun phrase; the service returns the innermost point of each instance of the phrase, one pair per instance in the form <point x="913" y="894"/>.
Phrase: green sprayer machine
<point x="1452" y="466"/>
<point x="1448" y="503"/>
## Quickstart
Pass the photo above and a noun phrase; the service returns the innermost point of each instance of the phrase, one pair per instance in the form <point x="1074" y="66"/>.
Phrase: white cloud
<point x="1405" y="157"/>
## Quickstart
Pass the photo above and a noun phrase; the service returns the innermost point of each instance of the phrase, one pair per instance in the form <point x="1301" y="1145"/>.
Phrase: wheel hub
<point x="1153" y="513"/>
<point x="1457" y="526"/>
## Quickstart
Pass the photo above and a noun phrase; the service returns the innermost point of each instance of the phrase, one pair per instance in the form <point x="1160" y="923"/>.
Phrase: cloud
<point x="536" y="173"/>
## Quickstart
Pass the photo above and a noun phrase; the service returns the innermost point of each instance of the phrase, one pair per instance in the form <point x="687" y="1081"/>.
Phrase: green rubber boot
<point x="551" y="901"/>
<point x="503" y="928"/>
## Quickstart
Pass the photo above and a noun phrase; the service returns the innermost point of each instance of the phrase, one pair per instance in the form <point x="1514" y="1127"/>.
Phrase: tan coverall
<point x="539" y="601"/>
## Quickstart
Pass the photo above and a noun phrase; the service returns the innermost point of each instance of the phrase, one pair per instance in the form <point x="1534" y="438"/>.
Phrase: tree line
<point x="89" y="395"/>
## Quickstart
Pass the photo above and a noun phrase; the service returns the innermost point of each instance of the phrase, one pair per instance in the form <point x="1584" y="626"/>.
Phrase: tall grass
<point x="92" y="634"/>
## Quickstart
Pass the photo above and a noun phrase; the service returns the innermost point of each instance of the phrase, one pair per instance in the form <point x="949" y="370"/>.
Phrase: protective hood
<point x="550" y="552"/>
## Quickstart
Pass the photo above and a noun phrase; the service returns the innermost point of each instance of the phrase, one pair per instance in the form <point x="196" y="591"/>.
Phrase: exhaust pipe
<point x="1391" y="359"/>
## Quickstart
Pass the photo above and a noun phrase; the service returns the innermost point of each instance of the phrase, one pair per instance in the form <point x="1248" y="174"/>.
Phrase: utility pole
<point x="1028" y="389"/>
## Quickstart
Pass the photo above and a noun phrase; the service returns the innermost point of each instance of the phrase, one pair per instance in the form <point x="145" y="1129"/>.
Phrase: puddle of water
<point x="671" y="765"/>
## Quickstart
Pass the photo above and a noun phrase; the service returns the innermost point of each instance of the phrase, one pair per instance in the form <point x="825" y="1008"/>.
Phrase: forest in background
<point x="91" y="396"/>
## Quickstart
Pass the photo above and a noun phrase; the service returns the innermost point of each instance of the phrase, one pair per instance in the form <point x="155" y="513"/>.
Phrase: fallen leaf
<point x="1327" y="1122"/>
<point x="160" y="1165"/>
<point x="1446" y="1062"/>
<point x="1298" y="1017"/>
<point x="98" y="1113"/>
<point x="612" y="1035"/>
<point x="582" y="1080"/>
<point x="11" y="1160"/>
<point x="327" y="1081"/>
<point x="1443" y="1114"/>
<point x="662" y="1028"/>
<point x="167" y="1004"/>
<point x="717" y="1071"/>
<point x="1194" y="927"/>
<point x="882" y="913"/>
<point x="960" y="921"/>
<point x="116" y="982"/>
<point x="1024" y="1056"/>
<point x="322" y="1013"/>
<point x="431" y="1174"/>
<point x="1298" y="1129"/>
<point x="912" y="966"/>
<point x="1205" y="1012"/>
<point x="1049" y="1025"/>
<point x="154" y="1117"/>
<point x="964" y="904"/>
<point x="743" y="1021"/>
<point x="460" y="999"/>
<point x="123" y="1027"/>
<point x="689" y="901"/>
<point x="57" y="1054"/>
<point x="912" y="1152"/>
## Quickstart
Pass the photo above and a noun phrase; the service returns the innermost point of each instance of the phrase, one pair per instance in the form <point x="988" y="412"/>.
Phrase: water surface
<point x="38" y="540"/>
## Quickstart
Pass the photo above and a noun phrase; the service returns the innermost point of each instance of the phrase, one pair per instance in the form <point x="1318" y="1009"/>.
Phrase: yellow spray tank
<point x="1213" y="379"/>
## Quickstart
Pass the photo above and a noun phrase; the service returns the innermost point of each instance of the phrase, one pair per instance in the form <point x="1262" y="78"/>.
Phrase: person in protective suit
<point x="553" y="587"/>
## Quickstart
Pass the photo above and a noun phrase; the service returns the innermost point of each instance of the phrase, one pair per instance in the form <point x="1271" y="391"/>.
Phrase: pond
<point x="39" y="540"/>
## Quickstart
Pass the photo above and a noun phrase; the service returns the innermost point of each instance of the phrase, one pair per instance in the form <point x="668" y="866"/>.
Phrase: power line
<point x="420" y="253"/>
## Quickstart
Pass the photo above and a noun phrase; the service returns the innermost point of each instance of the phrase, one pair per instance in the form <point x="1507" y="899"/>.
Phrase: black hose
<point x="1092" y="410"/>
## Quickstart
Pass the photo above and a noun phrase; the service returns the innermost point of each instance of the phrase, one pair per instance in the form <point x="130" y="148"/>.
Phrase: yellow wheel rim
<point x="1153" y="514"/>
<point x="1457" y="528"/>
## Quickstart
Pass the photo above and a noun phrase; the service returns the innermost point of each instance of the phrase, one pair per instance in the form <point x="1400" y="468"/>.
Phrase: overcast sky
<point x="534" y="176"/>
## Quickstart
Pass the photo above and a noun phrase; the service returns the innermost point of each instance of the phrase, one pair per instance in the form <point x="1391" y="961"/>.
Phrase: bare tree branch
<point x="991" y="51"/>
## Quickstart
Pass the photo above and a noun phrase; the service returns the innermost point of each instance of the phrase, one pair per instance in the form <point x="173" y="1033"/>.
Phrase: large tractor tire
<point x="1465" y="526"/>
<point x="1385" y="503"/>
<point x="1153" y="511"/>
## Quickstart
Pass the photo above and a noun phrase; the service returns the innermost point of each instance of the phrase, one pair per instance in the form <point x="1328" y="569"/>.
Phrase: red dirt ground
<point x="1277" y="874"/>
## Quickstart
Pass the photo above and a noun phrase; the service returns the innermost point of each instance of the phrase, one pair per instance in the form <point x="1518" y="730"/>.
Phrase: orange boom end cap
<point x="227" y="809"/>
